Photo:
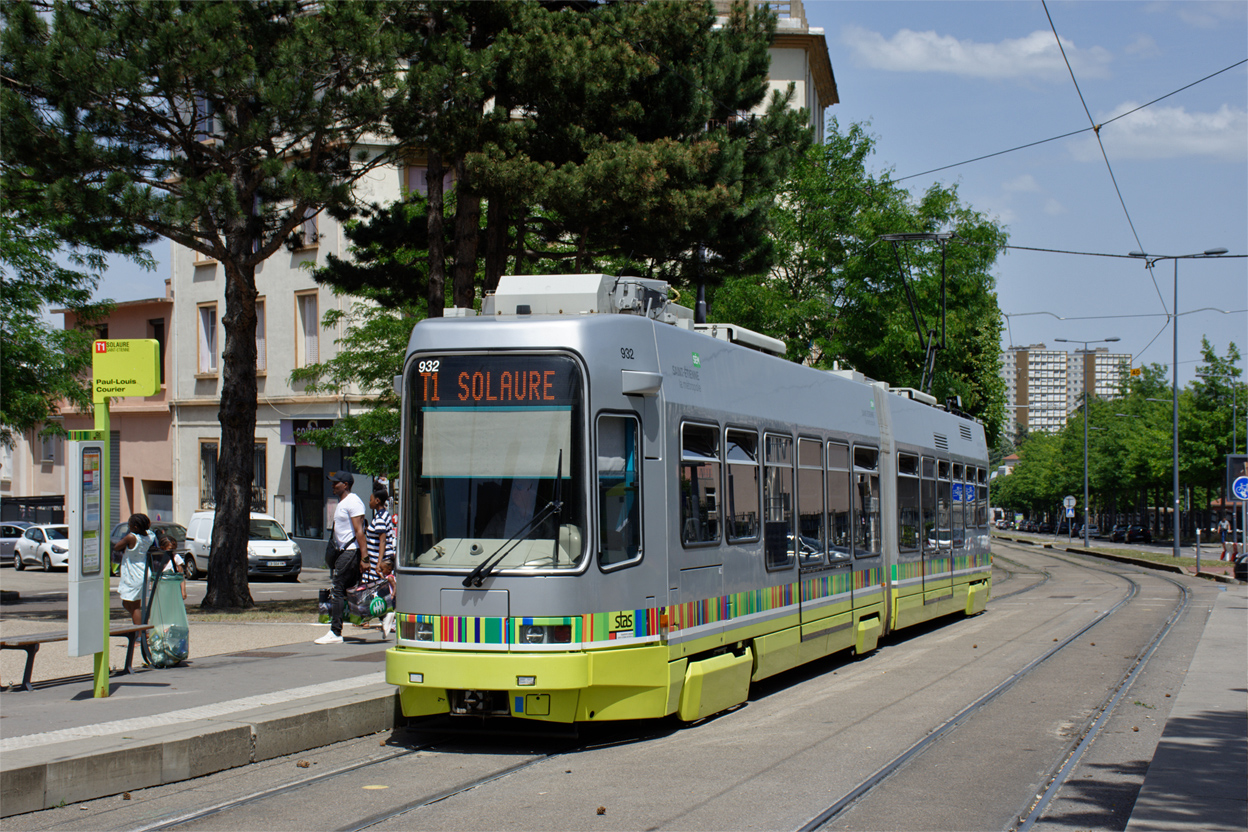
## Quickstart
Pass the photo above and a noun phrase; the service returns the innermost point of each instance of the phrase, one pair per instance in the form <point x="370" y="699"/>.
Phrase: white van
<point x="270" y="551"/>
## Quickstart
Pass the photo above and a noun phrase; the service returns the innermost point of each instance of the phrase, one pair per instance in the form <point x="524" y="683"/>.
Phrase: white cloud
<point x="1052" y="207"/>
<point x="1033" y="56"/>
<point x="1168" y="132"/>
<point x="1143" y="46"/>
<point x="1026" y="182"/>
<point x="1207" y="15"/>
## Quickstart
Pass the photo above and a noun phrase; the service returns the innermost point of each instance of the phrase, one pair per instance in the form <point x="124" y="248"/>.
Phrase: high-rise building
<point x="1044" y="386"/>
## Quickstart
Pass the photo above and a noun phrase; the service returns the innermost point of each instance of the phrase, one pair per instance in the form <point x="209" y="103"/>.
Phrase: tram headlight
<point x="424" y="631"/>
<point x="546" y="634"/>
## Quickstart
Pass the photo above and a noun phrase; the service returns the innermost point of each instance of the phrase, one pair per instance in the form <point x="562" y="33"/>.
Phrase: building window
<point x="156" y="331"/>
<point x="101" y="332"/>
<point x="208" y="339"/>
<point x="311" y="236"/>
<point x="262" y="357"/>
<point x="47" y="447"/>
<point x="418" y="180"/>
<point x="307" y="336"/>
<point x="208" y="474"/>
<point x="260" y="478"/>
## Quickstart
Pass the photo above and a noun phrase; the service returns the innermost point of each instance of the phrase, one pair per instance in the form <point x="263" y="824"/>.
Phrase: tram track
<point x="478" y="780"/>
<point x="1067" y="763"/>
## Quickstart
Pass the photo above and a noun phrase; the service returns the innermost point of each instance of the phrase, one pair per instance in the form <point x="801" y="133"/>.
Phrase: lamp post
<point x="1149" y="260"/>
<point x="1087" y="509"/>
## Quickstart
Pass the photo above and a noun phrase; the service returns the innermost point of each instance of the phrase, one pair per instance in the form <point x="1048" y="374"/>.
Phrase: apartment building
<point x="1044" y="386"/>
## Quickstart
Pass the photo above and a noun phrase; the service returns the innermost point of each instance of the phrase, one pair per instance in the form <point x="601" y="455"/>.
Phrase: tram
<point x="610" y="512"/>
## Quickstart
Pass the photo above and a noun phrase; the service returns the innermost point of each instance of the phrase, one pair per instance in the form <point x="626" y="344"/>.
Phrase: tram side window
<point x="619" y="490"/>
<point x="944" y="511"/>
<point x="811" y="541"/>
<point x="927" y="500"/>
<point x="961" y="505"/>
<point x="778" y="501"/>
<point x="741" y="456"/>
<point x="867" y="537"/>
<point x="699" y="484"/>
<point x="981" y="498"/>
<point x="840" y="529"/>
<point x="908" y="502"/>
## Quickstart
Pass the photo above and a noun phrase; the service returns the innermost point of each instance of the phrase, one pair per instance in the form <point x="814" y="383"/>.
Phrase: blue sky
<point x="943" y="82"/>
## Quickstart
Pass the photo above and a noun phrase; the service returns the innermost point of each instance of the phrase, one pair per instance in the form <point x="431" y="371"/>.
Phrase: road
<point x="1004" y="698"/>
<point x="47" y="593"/>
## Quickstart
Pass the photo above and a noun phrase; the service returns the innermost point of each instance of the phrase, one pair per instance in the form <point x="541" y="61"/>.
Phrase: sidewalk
<point x="250" y="692"/>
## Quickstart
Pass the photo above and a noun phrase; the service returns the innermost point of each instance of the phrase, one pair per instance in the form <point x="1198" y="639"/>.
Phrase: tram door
<point x="696" y="565"/>
<point x="940" y="572"/>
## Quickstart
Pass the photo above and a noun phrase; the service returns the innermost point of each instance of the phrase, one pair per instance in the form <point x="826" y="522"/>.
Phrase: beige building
<point x="1044" y="386"/>
<point x="143" y="460"/>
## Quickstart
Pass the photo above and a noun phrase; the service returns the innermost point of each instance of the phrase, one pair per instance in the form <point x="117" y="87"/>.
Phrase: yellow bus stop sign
<point x="125" y="368"/>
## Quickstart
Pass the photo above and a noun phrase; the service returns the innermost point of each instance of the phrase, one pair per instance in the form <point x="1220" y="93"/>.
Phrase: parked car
<point x="1241" y="568"/>
<point x="175" y="530"/>
<point x="270" y="551"/>
<point x="1118" y="534"/>
<point x="1138" y="533"/>
<point x="1045" y="528"/>
<point x="42" y="545"/>
<point x="10" y="532"/>
<point x="1092" y="531"/>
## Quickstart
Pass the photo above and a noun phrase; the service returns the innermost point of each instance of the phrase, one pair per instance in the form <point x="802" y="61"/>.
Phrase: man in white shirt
<point x="348" y="531"/>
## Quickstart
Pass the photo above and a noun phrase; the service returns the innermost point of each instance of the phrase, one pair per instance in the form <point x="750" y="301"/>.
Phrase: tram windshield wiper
<point x="555" y="506"/>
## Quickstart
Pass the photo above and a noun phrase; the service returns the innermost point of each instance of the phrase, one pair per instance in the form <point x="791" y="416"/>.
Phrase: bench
<point x="31" y="643"/>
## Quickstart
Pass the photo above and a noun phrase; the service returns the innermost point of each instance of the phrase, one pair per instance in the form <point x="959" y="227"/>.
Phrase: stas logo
<point x="620" y="622"/>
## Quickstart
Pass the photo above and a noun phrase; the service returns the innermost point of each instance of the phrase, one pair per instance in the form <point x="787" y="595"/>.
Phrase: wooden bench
<point x="32" y="642"/>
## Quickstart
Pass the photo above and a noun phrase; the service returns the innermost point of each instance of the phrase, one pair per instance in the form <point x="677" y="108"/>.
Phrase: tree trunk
<point x="227" y="580"/>
<point x="495" y="242"/>
<point x="437" y="237"/>
<point x="467" y="238"/>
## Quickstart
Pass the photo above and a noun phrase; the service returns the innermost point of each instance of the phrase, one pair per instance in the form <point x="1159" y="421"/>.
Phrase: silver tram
<point x="609" y="512"/>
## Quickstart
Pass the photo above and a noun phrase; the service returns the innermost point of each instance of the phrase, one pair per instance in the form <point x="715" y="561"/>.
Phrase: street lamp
<point x="1149" y="260"/>
<point x="1087" y="509"/>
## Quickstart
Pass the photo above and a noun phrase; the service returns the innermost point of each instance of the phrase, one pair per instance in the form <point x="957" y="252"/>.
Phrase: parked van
<point x="270" y="551"/>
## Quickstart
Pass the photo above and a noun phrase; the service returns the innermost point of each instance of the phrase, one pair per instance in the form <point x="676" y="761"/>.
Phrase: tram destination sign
<point x="474" y="381"/>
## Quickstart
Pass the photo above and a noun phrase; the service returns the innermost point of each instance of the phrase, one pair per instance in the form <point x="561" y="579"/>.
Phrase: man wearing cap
<point x="348" y="531"/>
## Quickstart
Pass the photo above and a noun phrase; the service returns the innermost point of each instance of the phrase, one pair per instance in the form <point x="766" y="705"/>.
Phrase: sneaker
<point x="387" y="624"/>
<point x="329" y="638"/>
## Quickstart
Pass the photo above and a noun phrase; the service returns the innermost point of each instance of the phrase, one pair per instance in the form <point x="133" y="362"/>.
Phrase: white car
<point x="42" y="545"/>
<point x="270" y="551"/>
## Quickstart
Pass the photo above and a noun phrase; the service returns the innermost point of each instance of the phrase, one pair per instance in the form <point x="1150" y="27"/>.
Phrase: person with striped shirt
<point x="380" y="538"/>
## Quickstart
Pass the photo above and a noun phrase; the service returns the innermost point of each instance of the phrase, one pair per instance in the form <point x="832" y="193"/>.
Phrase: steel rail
<point x="897" y="763"/>
<point x="1107" y="710"/>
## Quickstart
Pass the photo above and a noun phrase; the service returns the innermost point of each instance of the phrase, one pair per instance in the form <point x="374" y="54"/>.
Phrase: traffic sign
<point x="1240" y="488"/>
<point x="1069" y="502"/>
<point x="1070" y="512"/>
<point x="957" y="492"/>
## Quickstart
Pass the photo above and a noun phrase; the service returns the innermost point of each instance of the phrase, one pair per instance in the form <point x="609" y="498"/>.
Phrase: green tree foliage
<point x="221" y="126"/>
<point x="837" y="294"/>
<point x="44" y="366"/>
<point x="1130" y="451"/>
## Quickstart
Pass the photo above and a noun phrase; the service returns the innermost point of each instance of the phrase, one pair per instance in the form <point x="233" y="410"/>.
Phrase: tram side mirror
<point x="398" y="385"/>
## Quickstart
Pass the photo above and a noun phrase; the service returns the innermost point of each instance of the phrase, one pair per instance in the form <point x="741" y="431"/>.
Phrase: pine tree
<point x="221" y="126"/>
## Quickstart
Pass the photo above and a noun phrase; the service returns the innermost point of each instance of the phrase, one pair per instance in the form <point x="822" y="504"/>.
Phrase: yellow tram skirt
<point x="621" y="683"/>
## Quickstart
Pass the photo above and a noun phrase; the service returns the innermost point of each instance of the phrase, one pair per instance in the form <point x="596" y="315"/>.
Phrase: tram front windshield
<point x="493" y="468"/>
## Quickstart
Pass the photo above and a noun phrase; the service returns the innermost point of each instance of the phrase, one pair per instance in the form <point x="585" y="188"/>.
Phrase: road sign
<point x="1240" y="488"/>
<point x="1070" y="502"/>
<point x="957" y="492"/>
<point x="1070" y="512"/>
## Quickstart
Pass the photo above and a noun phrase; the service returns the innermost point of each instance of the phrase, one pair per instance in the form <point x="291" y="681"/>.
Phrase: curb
<point x="45" y="777"/>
